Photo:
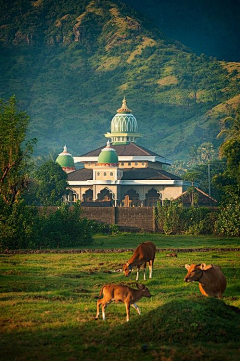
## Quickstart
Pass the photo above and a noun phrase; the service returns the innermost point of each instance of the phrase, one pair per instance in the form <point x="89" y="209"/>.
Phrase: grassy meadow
<point x="48" y="305"/>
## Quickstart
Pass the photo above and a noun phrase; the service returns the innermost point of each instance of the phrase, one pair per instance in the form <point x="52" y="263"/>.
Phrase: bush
<point x="27" y="227"/>
<point x="172" y="218"/>
<point x="103" y="228"/>
<point x="228" y="221"/>
<point x="17" y="225"/>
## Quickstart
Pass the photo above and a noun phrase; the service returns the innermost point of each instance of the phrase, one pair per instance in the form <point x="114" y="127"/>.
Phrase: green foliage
<point x="201" y="173"/>
<point x="18" y="226"/>
<point x="63" y="228"/>
<point x="14" y="153"/>
<point x="228" y="222"/>
<point x="171" y="218"/>
<point x="228" y="181"/>
<point x="50" y="183"/>
<point x="23" y="227"/>
<point x="103" y="228"/>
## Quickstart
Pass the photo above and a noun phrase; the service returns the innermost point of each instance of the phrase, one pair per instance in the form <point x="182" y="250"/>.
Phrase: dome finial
<point x="124" y="108"/>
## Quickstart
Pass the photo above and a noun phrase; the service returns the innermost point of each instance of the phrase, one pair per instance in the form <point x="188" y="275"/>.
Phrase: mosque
<point x="122" y="173"/>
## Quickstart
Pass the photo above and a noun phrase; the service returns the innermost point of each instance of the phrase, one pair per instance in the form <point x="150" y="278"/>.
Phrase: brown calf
<point x="121" y="293"/>
<point x="144" y="253"/>
<point x="212" y="281"/>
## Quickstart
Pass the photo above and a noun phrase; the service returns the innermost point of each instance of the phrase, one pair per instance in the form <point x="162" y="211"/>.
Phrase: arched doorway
<point x="105" y="195"/>
<point x="72" y="196"/>
<point x="131" y="199"/>
<point x="152" y="197"/>
<point x="88" y="196"/>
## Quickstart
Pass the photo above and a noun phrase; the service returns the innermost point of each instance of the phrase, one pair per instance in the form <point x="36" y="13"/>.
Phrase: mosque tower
<point x="124" y="127"/>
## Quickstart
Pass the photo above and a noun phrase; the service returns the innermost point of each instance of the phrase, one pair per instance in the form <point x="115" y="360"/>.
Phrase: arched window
<point x="88" y="195"/>
<point x="131" y="199"/>
<point x="152" y="197"/>
<point x="105" y="195"/>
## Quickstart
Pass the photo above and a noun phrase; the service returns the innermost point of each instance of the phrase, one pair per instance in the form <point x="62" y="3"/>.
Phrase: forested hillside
<point x="69" y="63"/>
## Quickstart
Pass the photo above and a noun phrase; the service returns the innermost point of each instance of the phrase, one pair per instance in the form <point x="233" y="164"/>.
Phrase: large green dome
<point x="108" y="156"/>
<point x="65" y="160"/>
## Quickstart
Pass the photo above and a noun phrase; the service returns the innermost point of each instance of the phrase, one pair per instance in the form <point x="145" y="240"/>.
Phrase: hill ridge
<point x="70" y="64"/>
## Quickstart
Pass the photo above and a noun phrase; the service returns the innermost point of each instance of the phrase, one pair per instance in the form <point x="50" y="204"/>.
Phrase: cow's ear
<point x="205" y="267"/>
<point x="187" y="266"/>
<point x="140" y="286"/>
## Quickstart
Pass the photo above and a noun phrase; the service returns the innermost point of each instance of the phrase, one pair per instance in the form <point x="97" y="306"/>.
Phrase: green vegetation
<point x="14" y="154"/>
<point x="23" y="226"/>
<point x="48" y="307"/>
<point x="49" y="185"/>
<point x="77" y="60"/>
<point x="172" y="218"/>
<point x="26" y="227"/>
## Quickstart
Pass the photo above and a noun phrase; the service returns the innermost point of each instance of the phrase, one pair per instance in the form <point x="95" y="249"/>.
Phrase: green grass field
<point x="48" y="305"/>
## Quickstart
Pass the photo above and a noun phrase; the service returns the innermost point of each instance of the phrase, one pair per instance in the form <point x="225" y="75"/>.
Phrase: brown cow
<point x="212" y="281"/>
<point x="121" y="293"/>
<point x="144" y="253"/>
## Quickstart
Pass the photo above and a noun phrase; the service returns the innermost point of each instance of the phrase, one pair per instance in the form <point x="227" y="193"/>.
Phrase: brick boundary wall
<point x="129" y="219"/>
<point x="100" y="214"/>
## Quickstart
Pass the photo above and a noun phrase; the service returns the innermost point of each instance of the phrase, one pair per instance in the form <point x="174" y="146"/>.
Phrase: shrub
<point x="26" y="227"/>
<point x="228" y="221"/>
<point x="17" y="225"/>
<point x="172" y="218"/>
<point x="103" y="228"/>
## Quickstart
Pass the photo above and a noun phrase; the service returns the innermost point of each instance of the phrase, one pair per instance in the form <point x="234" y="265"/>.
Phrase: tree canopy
<point x="50" y="184"/>
<point x="15" y="152"/>
<point x="229" y="180"/>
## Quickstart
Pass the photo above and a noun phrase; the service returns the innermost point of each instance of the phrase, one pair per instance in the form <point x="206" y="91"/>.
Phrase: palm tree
<point x="230" y="130"/>
<point x="206" y="152"/>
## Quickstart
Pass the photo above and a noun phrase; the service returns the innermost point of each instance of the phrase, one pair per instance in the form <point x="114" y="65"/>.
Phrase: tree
<point x="15" y="152"/>
<point x="206" y="152"/>
<point x="50" y="184"/>
<point x="229" y="181"/>
<point x="192" y="176"/>
<point x="230" y="130"/>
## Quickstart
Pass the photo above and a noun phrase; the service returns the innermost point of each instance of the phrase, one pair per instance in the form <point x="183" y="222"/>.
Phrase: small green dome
<point x="65" y="159"/>
<point x="108" y="155"/>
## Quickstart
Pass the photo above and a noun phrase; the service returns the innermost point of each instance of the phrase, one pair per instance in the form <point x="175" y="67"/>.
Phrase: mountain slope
<point x="70" y="63"/>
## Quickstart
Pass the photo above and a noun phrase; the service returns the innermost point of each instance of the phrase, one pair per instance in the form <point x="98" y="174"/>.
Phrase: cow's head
<point x="127" y="269"/>
<point x="145" y="290"/>
<point x="195" y="271"/>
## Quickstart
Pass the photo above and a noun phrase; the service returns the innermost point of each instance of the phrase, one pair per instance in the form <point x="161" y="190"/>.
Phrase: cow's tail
<point x="100" y="294"/>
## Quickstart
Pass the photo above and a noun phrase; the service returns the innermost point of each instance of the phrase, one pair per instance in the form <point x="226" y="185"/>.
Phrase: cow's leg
<point x="99" y="302"/>
<point x="127" y="304"/>
<point x="134" y="305"/>
<point x="104" y="306"/>
<point x="144" y="271"/>
<point x="150" y="268"/>
<point x="138" y="268"/>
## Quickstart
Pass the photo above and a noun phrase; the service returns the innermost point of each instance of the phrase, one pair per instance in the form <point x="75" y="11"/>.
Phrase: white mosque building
<point x="122" y="173"/>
